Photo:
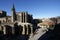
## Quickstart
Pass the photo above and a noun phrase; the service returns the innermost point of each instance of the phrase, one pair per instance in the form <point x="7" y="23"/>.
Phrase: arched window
<point x="3" y="21"/>
<point x="1" y="27"/>
<point x="0" y="22"/>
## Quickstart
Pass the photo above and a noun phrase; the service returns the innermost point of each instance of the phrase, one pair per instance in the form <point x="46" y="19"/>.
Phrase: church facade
<point x="18" y="23"/>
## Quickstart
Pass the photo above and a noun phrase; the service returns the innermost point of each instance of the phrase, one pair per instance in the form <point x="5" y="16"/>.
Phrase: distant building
<point x="56" y="20"/>
<point x="23" y="20"/>
<point x="47" y="24"/>
<point x="2" y="13"/>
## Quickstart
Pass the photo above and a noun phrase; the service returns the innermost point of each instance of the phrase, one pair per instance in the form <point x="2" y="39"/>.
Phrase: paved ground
<point x="39" y="32"/>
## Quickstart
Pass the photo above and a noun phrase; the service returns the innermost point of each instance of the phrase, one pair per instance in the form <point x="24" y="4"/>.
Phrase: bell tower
<point x="13" y="14"/>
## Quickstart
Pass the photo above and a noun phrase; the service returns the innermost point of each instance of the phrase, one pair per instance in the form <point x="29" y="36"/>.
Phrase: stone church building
<point x="18" y="23"/>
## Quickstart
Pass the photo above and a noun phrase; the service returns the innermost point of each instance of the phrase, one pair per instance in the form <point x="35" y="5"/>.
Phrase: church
<point x="17" y="23"/>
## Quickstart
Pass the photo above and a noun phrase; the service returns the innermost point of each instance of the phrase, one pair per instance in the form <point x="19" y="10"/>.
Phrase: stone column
<point x="31" y="29"/>
<point x="0" y="28"/>
<point x="25" y="17"/>
<point x="13" y="30"/>
<point x="27" y="29"/>
<point x="4" y="30"/>
<point x="21" y="17"/>
<point x="23" y="32"/>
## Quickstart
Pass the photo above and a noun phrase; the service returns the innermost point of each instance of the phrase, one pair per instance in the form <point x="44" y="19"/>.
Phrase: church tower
<point x="13" y="14"/>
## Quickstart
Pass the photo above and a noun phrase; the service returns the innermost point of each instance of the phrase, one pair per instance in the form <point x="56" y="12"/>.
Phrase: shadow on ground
<point x="52" y="34"/>
<point x="14" y="37"/>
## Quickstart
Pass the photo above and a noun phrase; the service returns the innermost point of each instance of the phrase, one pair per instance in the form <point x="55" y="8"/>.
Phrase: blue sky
<point x="38" y="8"/>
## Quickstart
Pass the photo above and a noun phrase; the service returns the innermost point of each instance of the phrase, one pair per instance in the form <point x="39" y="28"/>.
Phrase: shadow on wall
<point x="17" y="36"/>
<point x="18" y="29"/>
<point x="52" y="34"/>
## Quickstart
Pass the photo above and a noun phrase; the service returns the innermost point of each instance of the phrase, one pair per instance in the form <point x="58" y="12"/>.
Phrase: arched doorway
<point x="29" y="29"/>
<point x="8" y="29"/>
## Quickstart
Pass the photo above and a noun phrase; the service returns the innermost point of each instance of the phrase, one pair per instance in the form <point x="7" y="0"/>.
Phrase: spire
<point x="13" y="13"/>
<point x="13" y="8"/>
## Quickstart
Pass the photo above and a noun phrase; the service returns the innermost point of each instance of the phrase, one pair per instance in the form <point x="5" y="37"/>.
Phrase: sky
<point x="38" y="8"/>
